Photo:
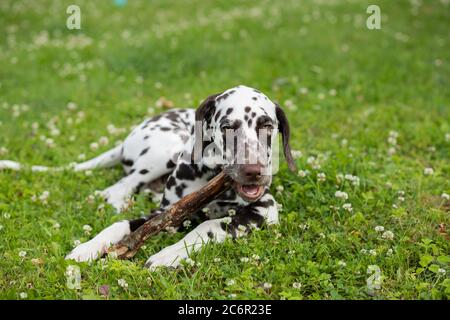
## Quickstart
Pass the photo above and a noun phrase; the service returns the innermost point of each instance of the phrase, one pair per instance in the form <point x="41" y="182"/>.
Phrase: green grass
<point x="393" y="79"/>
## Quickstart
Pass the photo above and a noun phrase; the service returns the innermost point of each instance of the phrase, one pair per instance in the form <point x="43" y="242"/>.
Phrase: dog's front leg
<point x="247" y="217"/>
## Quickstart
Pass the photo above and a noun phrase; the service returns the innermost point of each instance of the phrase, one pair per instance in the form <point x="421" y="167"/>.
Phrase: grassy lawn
<point x="370" y="109"/>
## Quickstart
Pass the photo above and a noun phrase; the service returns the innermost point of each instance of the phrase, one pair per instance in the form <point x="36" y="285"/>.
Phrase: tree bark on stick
<point x="173" y="217"/>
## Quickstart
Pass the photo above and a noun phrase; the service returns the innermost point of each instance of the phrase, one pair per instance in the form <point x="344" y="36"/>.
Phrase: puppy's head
<point x="236" y="130"/>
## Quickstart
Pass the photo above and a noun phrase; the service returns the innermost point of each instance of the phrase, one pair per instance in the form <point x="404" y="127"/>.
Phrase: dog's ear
<point x="203" y="113"/>
<point x="283" y="127"/>
<point x="206" y="109"/>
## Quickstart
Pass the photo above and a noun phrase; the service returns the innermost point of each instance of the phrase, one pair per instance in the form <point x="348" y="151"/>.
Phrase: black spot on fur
<point x="229" y="111"/>
<point x="127" y="162"/>
<point x="210" y="234"/>
<point x="170" y="182"/>
<point x="144" y="151"/>
<point x="136" y="223"/>
<point x="185" y="172"/>
<point x="255" y="98"/>
<point x="247" y="109"/>
<point x="146" y="137"/>
<point x="179" y="190"/>
<point x="170" y="164"/>
<point x="164" y="202"/>
<point x="132" y="171"/>
<point x="165" y="129"/>
<point x="143" y="171"/>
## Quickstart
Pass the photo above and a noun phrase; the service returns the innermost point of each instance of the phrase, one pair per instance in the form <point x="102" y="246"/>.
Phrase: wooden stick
<point x="173" y="217"/>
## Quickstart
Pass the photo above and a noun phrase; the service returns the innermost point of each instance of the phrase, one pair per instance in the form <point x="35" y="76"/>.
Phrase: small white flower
<point x="189" y="262"/>
<point x="255" y="257"/>
<point x="341" y="195"/>
<point x="3" y="151"/>
<point x="342" y="263"/>
<point x="122" y="283"/>
<point x="373" y="252"/>
<point x="217" y="260"/>
<point x="22" y="254"/>
<point x="1" y="227"/>
<point x="94" y="146"/>
<point x="401" y="199"/>
<point x="231" y="212"/>
<point x="296" y="154"/>
<point x="303" y="226"/>
<point x="81" y="156"/>
<point x="441" y="271"/>
<point x="23" y="295"/>
<point x="231" y="282"/>
<point x="428" y="171"/>
<point x="379" y="228"/>
<point x="445" y="196"/>
<point x="321" y="177"/>
<point x="71" y="106"/>
<point x="447" y="137"/>
<point x="363" y="251"/>
<point x="389" y="252"/>
<point x="232" y="295"/>
<point x="226" y="220"/>
<point x="297" y="285"/>
<point x="267" y="285"/>
<point x="171" y="230"/>
<point x="303" y="173"/>
<point x="280" y="188"/>
<point x="88" y="173"/>
<point x="245" y="259"/>
<point x="103" y="141"/>
<point x="76" y="243"/>
<point x="187" y="223"/>
<point x="347" y="207"/>
<point x="56" y="225"/>
<point x="87" y="229"/>
<point x="388" y="235"/>
<point x="391" y="151"/>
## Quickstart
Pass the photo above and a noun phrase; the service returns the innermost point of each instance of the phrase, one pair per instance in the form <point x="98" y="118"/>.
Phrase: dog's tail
<point x="105" y="160"/>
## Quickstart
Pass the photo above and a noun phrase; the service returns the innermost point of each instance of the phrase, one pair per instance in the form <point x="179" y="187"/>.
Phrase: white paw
<point x="164" y="258"/>
<point x="116" y="198"/>
<point x="87" y="251"/>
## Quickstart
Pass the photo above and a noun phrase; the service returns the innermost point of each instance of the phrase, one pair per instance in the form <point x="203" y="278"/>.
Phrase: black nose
<point x="252" y="171"/>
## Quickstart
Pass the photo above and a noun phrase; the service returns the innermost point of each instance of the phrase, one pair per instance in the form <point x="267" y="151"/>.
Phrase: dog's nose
<point x="252" y="171"/>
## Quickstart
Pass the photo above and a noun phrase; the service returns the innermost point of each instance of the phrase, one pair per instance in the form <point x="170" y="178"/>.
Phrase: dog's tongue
<point x="250" y="189"/>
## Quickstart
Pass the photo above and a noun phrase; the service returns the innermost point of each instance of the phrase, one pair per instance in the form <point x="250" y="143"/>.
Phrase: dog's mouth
<point x="249" y="192"/>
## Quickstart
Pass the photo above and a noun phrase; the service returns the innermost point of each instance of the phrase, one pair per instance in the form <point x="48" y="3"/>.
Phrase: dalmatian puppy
<point x="190" y="147"/>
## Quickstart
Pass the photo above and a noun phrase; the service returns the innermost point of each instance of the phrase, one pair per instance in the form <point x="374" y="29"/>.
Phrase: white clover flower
<point x="342" y="263"/>
<point x="279" y="206"/>
<point x="217" y="260"/>
<point x="442" y="271"/>
<point x="81" y="156"/>
<point x="303" y="90"/>
<point x="245" y="259"/>
<point x="321" y="177"/>
<point x="341" y="195"/>
<point x="171" y="230"/>
<point x="76" y="243"/>
<point x="189" y="262"/>
<point x="22" y="254"/>
<point x="401" y="199"/>
<point x="1" y="227"/>
<point x="231" y="212"/>
<point x="401" y="193"/>
<point x="232" y="295"/>
<point x="445" y="196"/>
<point x="267" y="285"/>
<point x="3" y="151"/>
<point x="296" y="154"/>
<point x="428" y="171"/>
<point x="87" y="229"/>
<point x="187" y="223"/>
<point x="303" y="173"/>
<point x="447" y="137"/>
<point x="347" y="207"/>
<point x="391" y="151"/>
<point x="363" y="251"/>
<point x="88" y="173"/>
<point x="6" y="215"/>
<point x="388" y="235"/>
<point x="94" y="146"/>
<point x="23" y="295"/>
<point x="339" y="177"/>
<point x="297" y="285"/>
<point x="389" y="252"/>
<point x="122" y="283"/>
<point x="103" y="141"/>
<point x="280" y="188"/>
<point x="332" y="92"/>
<point x="56" y="225"/>
<point x="255" y="257"/>
<point x="379" y="228"/>
<point x="231" y="282"/>
<point x="303" y="226"/>
<point x="227" y="220"/>
<point x="373" y="252"/>
<point x="72" y="106"/>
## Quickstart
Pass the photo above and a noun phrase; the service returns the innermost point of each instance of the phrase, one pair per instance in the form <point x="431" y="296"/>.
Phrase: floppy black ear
<point x="206" y="109"/>
<point x="283" y="127"/>
<point x="203" y="113"/>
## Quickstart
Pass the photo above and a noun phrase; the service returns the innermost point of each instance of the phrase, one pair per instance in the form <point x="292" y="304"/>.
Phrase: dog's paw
<point x="116" y="199"/>
<point x="163" y="259"/>
<point x="87" y="251"/>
